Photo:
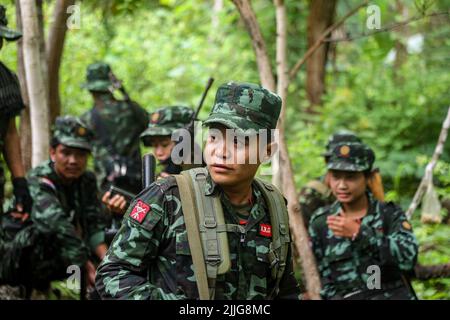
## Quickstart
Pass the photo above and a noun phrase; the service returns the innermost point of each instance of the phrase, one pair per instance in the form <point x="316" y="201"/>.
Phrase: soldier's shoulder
<point x="41" y="170"/>
<point x="159" y="188"/>
<point x="41" y="181"/>
<point x="389" y="207"/>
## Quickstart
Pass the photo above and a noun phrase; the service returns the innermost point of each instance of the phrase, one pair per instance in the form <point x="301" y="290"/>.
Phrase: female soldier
<point x="363" y="246"/>
<point x="163" y="122"/>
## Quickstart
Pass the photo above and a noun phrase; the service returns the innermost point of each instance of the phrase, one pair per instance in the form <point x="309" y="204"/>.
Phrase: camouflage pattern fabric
<point x="67" y="211"/>
<point x="6" y="32"/>
<point x="340" y="136"/>
<point x="311" y="199"/>
<point x="66" y="227"/>
<point x="385" y="239"/>
<point x="245" y="106"/>
<point x="98" y="77"/>
<point x="72" y="132"/>
<point x="150" y="256"/>
<point x="123" y="122"/>
<point x="164" y="121"/>
<point x="355" y="157"/>
<point x="11" y="104"/>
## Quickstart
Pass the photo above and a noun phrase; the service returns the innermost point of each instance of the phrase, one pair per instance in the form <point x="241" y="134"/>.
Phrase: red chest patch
<point x="265" y="230"/>
<point x="139" y="211"/>
<point x="242" y="222"/>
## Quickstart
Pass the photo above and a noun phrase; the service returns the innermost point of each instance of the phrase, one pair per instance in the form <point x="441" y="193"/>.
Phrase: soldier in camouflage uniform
<point x="358" y="235"/>
<point x="11" y="105"/>
<point x="164" y="122"/>
<point x="158" y="135"/>
<point x="150" y="257"/>
<point x="66" y="207"/>
<point x="316" y="193"/>
<point x="117" y="125"/>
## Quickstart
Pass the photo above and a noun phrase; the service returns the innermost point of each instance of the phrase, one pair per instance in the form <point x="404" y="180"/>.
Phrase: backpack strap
<point x="195" y="243"/>
<point x="213" y="230"/>
<point x="279" y="218"/>
<point x="210" y="226"/>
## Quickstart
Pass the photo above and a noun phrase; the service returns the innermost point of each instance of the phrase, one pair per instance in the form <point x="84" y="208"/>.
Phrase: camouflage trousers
<point x="29" y="258"/>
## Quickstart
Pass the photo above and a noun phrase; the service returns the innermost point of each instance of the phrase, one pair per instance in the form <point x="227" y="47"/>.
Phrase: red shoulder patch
<point x="140" y="211"/>
<point x="265" y="230"/>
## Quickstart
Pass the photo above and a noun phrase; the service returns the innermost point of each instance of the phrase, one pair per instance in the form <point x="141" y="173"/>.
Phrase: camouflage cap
<point x="98" y="77"/>
<point x="5" y="32"/>
<point x="338" y="137"/>
<point x="71" y="132"/>
<point x="245" y="106"/>
<point x="164" y="121"/>
<point x="351" y="156"/>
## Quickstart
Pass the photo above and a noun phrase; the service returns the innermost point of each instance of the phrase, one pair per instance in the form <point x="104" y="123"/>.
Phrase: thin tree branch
<point x="388" y="28"/>
<point x="259" y="45"/>
<point x="429" y="168"/>
<point x="322" y="38"/>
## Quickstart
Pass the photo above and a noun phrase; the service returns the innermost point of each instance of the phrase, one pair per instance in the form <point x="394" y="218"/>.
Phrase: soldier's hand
<point x="23" y="200"/>
<point x="343" y="226"/>
<point x="116" y="204"/>
<point x="163" y="175"/>
<point x="22" y="217"/>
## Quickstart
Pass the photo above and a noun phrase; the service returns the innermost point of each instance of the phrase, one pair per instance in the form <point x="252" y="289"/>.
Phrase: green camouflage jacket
<point x="311" y="199"/>
<point x="150" y="256"/>
<point x="385" y="239"/>
<point x="122" y="122"/>
<point x="67" y="211"/>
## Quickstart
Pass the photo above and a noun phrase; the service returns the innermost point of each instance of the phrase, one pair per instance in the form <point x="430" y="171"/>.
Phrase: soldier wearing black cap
<point x="365" y="248"/>
<point x="316" y="193"/>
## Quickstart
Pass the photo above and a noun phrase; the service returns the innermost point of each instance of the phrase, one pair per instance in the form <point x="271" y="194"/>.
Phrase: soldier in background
<point x="117" y="125"/>
<point x="66" y="210"/>
<point x="11" y="104"/>
<point x="358" y="235"/>
<point x="164" y="122"/>
<point x="316" y="193"/>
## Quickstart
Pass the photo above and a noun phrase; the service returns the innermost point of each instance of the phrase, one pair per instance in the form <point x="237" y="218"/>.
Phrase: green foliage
<point x="435" y="249"/>
<point x="165" y="50"/>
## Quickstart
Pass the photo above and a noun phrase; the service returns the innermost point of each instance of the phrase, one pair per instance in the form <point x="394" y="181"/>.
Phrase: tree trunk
<point x="259" y="45"/>
<point x="35" y="82"/>
<point x="55" y="46"/>
<point x="268" y="80"/>
<point x="299" y="233"/>
<point x="25" y="126"/>
<point x="263" y="62"/>
<point x="321" y="16"/>
<point x="42" y="53"/>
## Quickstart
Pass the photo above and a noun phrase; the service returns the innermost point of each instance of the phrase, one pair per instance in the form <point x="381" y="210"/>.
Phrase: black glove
<point x="22" y="194"/>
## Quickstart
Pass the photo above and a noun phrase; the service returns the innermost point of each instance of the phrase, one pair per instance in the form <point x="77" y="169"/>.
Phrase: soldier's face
<point x="347" y="186"/>
<point x="162" y="147"/>
<point x="70" y="163"/>
<point x="231" y="160"/>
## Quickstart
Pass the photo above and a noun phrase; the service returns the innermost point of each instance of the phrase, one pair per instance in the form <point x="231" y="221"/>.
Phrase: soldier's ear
<point x="52" y="153"/>
<point x="272" y="149"/>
